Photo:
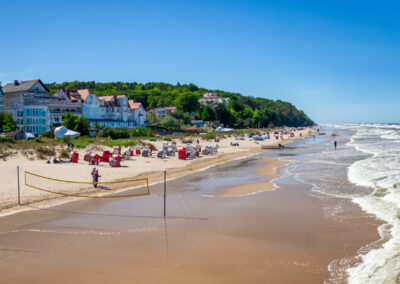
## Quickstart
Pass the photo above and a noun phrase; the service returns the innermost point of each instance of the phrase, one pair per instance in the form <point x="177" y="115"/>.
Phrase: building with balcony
<point x="22" y="99"/>
<point x="33" y="119"/>
<point x="212" y="100"/>
<point x="37" y="112"/>
<point x="109" y="111"/>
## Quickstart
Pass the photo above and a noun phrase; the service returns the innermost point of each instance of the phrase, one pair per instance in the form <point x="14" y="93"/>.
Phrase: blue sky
<point x="337" y="60"/>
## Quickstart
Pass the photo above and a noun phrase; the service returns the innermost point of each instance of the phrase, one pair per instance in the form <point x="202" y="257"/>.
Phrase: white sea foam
<point x="381" y="171"/>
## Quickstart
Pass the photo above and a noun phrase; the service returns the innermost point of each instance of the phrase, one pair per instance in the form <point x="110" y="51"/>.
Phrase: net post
<point x="19" y="193"/>
<point x="165" y="192"/>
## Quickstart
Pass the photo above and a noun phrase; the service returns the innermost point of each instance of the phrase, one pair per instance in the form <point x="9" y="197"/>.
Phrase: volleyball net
<point x="87" y="189"/>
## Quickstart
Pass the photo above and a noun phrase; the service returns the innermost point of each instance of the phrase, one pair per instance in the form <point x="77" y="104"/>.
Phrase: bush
<point x="64" y="154"/>
<point x="140" y="132"/>
<point x="115" y="133"/>
<point x="43" y="151"/>
<point x="153" y="139"/>
<point x="37" y="140"/>
<point x="48" y="134"/>
<point x="66" y="139"/>
<point x="209" y="136"/>
<point x="81" y="145"/>
<point x="84" y="139"/>
<point x="170" y="121"/>
<point x="7" y="139"/>
<point x="112" y="143"/>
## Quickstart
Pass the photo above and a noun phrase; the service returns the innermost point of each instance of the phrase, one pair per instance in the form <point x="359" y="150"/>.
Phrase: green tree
<point x="76" y="123"/>
<point x="170" y="121"/>
<point x="187" y="102"/>
<point x="208" y="114"/>
<point x="152" y="119"/>
<point x="185" y="117"/>
<point x="7" y="122"/>
<point x="224" y="116"/>
<point x="236" y="106"/>
<point x="258" y="118"/>
<point x="98" y="126"/>
<point x="265" y="118"/>
<point x="159" y="94"/>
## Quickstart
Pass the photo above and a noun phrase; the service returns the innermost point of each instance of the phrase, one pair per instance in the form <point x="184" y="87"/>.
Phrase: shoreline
<point x="280" y="236"/>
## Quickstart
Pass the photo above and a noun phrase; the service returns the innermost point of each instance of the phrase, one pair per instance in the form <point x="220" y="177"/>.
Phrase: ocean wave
<point x="381" y="172"/>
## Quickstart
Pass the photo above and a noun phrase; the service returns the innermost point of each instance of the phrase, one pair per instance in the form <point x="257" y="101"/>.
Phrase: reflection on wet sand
<point x="269" y="171"/>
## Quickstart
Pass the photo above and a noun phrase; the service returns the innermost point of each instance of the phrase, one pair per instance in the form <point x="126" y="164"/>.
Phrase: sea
<point x="365" y="170"/>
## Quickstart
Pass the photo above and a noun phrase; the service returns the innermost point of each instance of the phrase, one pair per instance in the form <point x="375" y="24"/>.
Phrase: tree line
<point x="242" y="111"/>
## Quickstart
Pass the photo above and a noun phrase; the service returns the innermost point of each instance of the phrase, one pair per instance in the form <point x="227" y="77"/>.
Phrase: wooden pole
<point x="19" y="194"/>
<point x="165" y="192"/>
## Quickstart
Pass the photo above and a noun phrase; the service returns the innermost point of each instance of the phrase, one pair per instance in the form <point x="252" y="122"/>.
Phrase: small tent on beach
<point x="61" y="132"/>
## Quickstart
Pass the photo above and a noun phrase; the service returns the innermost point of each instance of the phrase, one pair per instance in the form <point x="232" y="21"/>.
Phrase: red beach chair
<point x="75" y="157"/>
<point x="182" y="154"/>
<point x="115" y="162"/>
<point x="106" y="156"/>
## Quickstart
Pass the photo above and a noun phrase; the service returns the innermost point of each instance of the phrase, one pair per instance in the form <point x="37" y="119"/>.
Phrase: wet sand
<point x="269" y="171"/>
<point x="280" y="236"/>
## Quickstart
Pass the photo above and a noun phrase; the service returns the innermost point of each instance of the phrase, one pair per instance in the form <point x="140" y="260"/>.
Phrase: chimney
<point x="16" y="83"/>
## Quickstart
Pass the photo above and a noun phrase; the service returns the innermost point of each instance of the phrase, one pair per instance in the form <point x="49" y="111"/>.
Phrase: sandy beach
<point x="149" y="167"/>
<point x="215" y="232"/>
<point x="269" y="170"/>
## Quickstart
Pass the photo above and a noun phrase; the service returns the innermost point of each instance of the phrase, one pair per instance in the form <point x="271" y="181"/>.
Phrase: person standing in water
<point x="335" y="144"/>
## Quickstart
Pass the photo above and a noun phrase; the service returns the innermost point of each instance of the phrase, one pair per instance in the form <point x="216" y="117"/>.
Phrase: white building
<point x="110" y="111"/>
<point x="37" y="112"/>
<point x="212" y="100"/>
<point x="22" y="99"/>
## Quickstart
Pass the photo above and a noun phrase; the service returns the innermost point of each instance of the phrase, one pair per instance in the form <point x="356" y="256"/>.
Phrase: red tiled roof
<point x="84" y="94"/>
<point x="106" y="98"/>
<point x="134" y="104"/>
<point x="172" y="109"/>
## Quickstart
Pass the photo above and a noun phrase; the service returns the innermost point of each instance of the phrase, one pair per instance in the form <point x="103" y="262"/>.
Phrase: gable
<point x="25" y="86"/>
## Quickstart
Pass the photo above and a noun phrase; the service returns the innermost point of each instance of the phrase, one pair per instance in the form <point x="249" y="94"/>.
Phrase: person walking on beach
<point x="95" y="176"/>
<point x="335" y="144"/>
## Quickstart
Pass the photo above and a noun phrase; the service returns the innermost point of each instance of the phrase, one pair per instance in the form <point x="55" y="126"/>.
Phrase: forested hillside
<point x="242" y="111"/>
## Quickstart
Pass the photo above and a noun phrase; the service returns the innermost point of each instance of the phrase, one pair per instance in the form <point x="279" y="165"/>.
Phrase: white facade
<point x="212" y="100"/>
<point x="109" y="111"/>
<point x="113" y="111"/>
<point x="27" y="101"/>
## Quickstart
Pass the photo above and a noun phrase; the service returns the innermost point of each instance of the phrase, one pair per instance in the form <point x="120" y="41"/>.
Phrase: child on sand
<point x="95" y="176"/>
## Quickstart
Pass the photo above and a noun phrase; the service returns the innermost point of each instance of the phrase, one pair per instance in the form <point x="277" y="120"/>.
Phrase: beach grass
<point x="112" y="143"/>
